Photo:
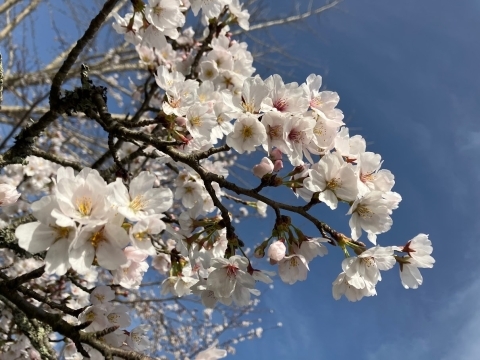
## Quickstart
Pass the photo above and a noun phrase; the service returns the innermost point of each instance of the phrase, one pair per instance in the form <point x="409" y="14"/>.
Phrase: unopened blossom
<point x="277" y="250"/>
<point x="247" y="134"/>
<point x="371" y="214"/>
<point x="293" y="268"/>
<point x="265" y="167"/>
<point x="334" y="179"/>
<point x="8" y="194"/>
<point x="141" y="199"/>
<point x="262" y="208"/>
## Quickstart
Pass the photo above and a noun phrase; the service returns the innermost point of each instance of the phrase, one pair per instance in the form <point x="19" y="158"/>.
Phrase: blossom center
<point x="293" y="262"/>
<point x="369" y="261"/>
<point x="100" y="297"/>
<point x="280" y="104"/>
<point x="364" y="212"/>
<point x="138" y="203"/>
<point x="84" y="205"/>
<point x="97" y="238"/>
<point x="275" y="132"/>
<point x="113" y="318"/>
<point x="334" y="184"/>
<point x="232" y="271"/>
<point x="295" y="136"/>
<point x="316" y="101"/>
<point x="196" y="121"/>
<point x="247" y="132"/>
<point x="140" y="236"/>
<point x="249" y="107"/>
<point x="367" y="177"/>
<point x="157" y="10"/>
<point x="319" y="130"/>
<point x="61" y="232"/>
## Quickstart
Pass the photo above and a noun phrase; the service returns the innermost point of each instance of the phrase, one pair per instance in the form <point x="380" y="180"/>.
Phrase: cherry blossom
<point x="334" y="179"/>
<point x="293" y="268"/>
<point x="8" y="194"/>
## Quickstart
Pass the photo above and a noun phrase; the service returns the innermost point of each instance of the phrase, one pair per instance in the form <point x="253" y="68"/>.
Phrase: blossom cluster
<point x="82" y="223"/>
<point x="210" y="96"/>
<point x="102" y="314"/>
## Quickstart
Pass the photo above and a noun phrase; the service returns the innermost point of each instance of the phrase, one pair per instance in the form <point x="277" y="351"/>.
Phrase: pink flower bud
<point x="276" y="154"/>
<point x="276" y="251"/>
<point x="265" y="167"/>
<point x="181" y="121"/>
<point x="278" y="165"/>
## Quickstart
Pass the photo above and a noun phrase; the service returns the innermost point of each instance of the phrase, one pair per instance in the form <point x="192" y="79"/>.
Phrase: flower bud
<point x="276" y="251"/>
<point x="278" y="165"/>
<point x="180" y="121"/>
<point x="259" y="252"/>
<point x="276" y="154"/>
<point x="265" y="167"/>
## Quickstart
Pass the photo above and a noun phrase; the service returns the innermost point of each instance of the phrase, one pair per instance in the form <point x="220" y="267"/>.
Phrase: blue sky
<point x="407" y="75"/>
<point x="408" y="79"/>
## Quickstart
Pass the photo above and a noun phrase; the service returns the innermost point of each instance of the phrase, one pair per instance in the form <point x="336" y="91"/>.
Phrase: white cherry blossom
<point x="247" y="134"/>
<point x="293" y="268"/>
<point x="334" y="179"/>
<point x="372" y="214"/>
